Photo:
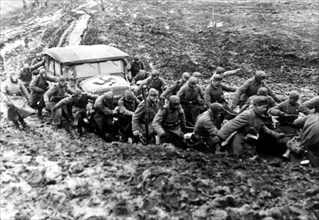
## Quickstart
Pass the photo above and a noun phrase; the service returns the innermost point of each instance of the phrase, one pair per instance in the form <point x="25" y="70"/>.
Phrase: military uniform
<point x="168" y="124"/>
<point x="138" y="119"/>
<point x="309" y="136"/>
<point x="38" y="87"/>
<point x="51" y="97"/>
<point x="248" y="89"/>
<point x="307" y="106"/>
<point x="215" y="94"/>
<point x="78" y="108"/>
<point x="125" y="112"/>
<point x="17" y="108"/>
<point x="172" y="90"/>
<point x="104" y="112"/>
<point x="136" y="67"/>
<point x="158" y="84"/>
<point x="244" y="124"/>
<point x="190" y="101"/>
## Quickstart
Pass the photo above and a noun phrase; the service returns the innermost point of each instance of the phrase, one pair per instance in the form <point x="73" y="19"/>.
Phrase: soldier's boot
<point x="40" y="117"/>
<point x="16" y="124"/>
<point x="24" y="124"/>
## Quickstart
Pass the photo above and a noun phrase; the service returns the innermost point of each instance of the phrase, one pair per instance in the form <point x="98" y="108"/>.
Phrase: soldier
<point x="25" y="74"/>
<point x="208" y="124"/>
<point x="172" y="90"/>
<point x="169" y="122"/>
<point x="139" y="117"/>
<point x="248" y="125"/>
<point x="250" y="88"/>
<point x="310" y="106"/>
<point x="104" y="113"/>
<point x="214" y="91"/>
<point x="14" y="90"/>
<point x="55" y="94"/>
<point x="38" y="87"/>
<point x="309" y="136"/>
<point x="154" y="81"/>
<point x="222" y="71"/>
<point x="262" y="91"/>
<point x="287" y="112"/>
<point x="135" y="67"/>
<point x="38" y="60"/>
<point x="78" y="101"/>
<point x="191" y="96"/>
<point x="126" y="107"/>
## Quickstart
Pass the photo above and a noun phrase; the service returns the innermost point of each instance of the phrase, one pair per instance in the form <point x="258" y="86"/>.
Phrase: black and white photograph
<point x="159" y="109"/>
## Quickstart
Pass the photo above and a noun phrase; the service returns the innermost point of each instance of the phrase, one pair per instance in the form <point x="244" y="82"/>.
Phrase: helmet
<point x="155" y="73"/>
<point x="192" y="80"/>
<point x="216" y="77"/>
<point x="262" y="91"/>
<point x="261" y="74"/>
<point x="220" y="69"/>
<point x="294" y="95"/>
<point x="216" y="108"/>
<point x="260" y="100"/>
<point x="108" y="95"/>
<point x="174" y="101"/>
<point x="26" y="66"/>
<point x="153" y="92"/>
<point x="197" y="74"/>
<point x="77" y="92"/>
<point x="186" y="75"/>
<point x="128" y="96"/>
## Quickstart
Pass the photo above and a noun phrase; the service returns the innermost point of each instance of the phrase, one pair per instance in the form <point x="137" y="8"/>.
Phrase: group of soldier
<point x="256" y="121"/>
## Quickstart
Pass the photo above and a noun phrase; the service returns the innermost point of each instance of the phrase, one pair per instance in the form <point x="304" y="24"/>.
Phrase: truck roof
<point x="84" y="54"/>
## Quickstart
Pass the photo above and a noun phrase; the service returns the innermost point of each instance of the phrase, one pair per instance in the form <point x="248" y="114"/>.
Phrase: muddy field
<point x="47" y="175"/>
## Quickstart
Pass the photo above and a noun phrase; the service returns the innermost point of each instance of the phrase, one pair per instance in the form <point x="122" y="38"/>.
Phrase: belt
<point x="189" y="102"/>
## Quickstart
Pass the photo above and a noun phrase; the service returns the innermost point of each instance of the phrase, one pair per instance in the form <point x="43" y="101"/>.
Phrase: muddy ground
<point x="47" y="175"/>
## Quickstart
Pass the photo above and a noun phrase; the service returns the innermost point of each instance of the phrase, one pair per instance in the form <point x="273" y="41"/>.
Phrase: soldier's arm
<point x="69" y="90"/>
<point x="272" y="102"/>
<point x="246" y="105"/>
<point x="272" y="94"/>
<point x="207" y="97"/>
<point x="181" y="92"/>
<point x="51" y="78"/>
<point x="228" y="88"/>
<point x="64" y="101"/>
<point x="299" y="122"/>
<point x="157" y="122"/>
<point x="37" y="65"/>
<point x="168" y="91"/>
<point x="91" y="96"/>
<point x="239" y="91"/>
<point x="231" y="72"/>
<point x="233" y="125"/>
<point x="201" y="93"/>
<point x="277" y="110"/>
<point x="210" y="127"/>
<point x="33" y="85"/>
<point x="137" y="115"/>
<point x="49" y="93"/>
<point x="182" y="117"/>
<point x="268" y="131"/>
<point x="122" y="109"/>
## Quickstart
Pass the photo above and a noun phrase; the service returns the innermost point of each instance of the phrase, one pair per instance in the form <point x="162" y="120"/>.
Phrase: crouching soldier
<point x="55" y="94"/>
<point x="169" y="122"/>
<point x="143" y="114"/>
<point x="126" y="107"/>
<point x="310" y="106"/>
<point x="248" y="127"/>
<point x="207" y="125"/>
<point x="104" y="113"/>
<point x="38" y="87"/>
<point x="191" y="96"/>
<point x="78" y="102"/>
<point x="309" y="136"/>
<point x="14" y="91"/>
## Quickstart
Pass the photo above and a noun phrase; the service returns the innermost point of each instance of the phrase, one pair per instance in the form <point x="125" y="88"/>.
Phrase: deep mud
<point x="47" y="175"/>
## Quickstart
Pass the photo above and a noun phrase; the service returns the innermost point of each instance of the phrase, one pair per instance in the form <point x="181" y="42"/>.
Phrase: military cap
<point x="260" y="100"/>
<point x="153" y="92"/>
<point x="108" y="95"/>
<point x="197" y="74"/>
<point x="262" y="91"/>
<point x="216" y="108"/>
<point x="155" y="73"/>
<point x="216" y="77"/>
<point x="294" y="95"/>
<point x="193" y="80"/>
<point x="220" y="69"/>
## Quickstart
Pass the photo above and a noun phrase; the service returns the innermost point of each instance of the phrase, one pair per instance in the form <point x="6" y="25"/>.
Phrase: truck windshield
<point x="87" y="70"/>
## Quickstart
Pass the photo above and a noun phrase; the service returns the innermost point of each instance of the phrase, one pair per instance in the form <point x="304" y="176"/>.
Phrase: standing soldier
<point x="144" y="113"/>
<point x="191" y="97"/>
<point x="172" y="90"/>
<point x="126" y="107"/>
<point x="55" y="94"/>
<point x="214" y="91"/>
<point x="208" y="124"/>
<point x="104" y="113"/>
<point x="78" y="101"/>
<point x="310" y="106"/>
<point x="248" y="126"/>
<point x="135" y="67"/>
<point x="250" y="88"/>
<point x="38" y="87"/>
<point x="169" y="122"/>
<point x="38" y="61"/>
<point x="154" y="81"/>
<point x="14" y="91"/>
